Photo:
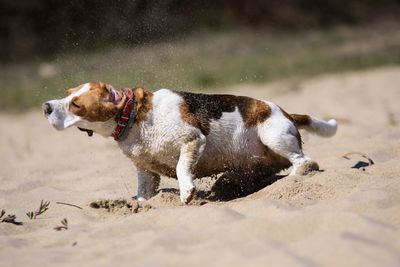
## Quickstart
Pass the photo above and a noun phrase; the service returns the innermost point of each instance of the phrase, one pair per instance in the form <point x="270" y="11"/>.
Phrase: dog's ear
<point x="89" y="132"/>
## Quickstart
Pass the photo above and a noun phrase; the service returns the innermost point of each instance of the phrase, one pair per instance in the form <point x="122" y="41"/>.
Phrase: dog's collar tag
<point x="126" y="118"/>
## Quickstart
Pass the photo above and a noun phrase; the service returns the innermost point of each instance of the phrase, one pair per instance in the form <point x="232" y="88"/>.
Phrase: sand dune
<point x="339" y="217"/>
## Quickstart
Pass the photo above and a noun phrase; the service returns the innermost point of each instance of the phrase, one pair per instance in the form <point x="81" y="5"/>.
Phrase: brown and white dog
<point x="188" y="135"/>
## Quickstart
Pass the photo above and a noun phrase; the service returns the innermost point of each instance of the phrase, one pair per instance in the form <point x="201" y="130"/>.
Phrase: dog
<point x="189" y="135"/>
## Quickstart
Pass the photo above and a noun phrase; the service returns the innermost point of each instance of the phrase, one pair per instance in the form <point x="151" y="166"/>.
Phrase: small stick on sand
<point x="347" y="156"/>
<point x="68" y="204"/>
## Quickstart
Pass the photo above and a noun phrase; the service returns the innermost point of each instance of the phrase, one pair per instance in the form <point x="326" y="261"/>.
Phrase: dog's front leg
<point x="148" y="183"/>
<point x="189" y="154"/>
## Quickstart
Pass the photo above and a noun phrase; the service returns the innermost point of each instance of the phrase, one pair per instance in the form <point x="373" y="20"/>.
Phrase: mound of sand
<point x="341" y="216"/>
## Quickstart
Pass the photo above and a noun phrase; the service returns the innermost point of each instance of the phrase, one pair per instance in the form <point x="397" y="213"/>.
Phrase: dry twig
<point x="64" y="225"/>
<point x="44" y="206"/>
<point x="9" y="218"/>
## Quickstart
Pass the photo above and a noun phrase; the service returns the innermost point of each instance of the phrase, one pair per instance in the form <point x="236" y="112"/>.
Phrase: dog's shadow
<point x="229" y="186"/>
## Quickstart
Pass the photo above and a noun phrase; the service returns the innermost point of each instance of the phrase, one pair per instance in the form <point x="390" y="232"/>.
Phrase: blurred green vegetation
<point x="204" y="61"/>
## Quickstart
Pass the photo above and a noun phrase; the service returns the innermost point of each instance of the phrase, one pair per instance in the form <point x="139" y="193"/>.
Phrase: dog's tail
<point x="314" y="125"/>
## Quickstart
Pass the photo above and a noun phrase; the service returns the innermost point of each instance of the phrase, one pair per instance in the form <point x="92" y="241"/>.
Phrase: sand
<point x="340" y="216"/>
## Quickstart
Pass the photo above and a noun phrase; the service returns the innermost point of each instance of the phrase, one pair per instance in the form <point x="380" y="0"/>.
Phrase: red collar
<point x="126" y="118"/>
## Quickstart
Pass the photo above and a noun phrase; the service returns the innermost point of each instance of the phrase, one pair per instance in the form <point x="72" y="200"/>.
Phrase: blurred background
<point x="47" y="46"/>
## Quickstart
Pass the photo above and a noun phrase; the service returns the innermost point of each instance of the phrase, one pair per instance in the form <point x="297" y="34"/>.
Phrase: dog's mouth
<point x="89" y="132"/>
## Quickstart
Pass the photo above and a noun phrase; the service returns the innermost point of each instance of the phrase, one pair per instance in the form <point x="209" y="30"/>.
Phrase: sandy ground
<point x="339" y="217"/>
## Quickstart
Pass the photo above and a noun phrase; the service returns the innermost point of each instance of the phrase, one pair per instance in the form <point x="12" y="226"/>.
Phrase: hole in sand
<point x="227" y="187"/>
<point x="120" y="206"/>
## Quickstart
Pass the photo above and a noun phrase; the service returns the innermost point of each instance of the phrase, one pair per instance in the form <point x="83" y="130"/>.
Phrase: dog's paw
<point x="141" y="199"/>
<point x="307" y="167"/>
<point x="187" y="195"/>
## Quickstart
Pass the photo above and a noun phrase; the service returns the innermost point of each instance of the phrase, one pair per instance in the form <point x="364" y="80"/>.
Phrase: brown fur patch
<point x="144" y="103"/>
<point x="301" y="120"/>
<point x="94" y="105"/>
<point x="191" y="119"/>
<point x="255" y="112"/>
<point x="198" y="109"/>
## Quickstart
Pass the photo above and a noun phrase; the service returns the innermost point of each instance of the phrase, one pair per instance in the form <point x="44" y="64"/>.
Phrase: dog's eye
<point x="75" y="105"/>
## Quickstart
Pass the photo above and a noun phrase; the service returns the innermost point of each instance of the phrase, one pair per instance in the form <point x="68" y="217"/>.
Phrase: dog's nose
<point x="47" y="108"/>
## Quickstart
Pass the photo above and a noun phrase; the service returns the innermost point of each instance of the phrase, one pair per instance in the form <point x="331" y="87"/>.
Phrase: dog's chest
<point x="154" y="148"/>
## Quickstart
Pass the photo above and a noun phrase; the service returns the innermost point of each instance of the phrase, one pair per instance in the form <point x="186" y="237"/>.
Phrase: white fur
<point x="61" y="118"/>
<point x="322" y="128"/>
<point x="280" y="135"/>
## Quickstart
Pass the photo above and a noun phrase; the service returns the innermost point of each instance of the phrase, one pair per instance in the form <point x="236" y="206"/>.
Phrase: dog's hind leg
<point x="148" y="183"/>
<point x="280" y="135"/>
<point x="189" y="155"/>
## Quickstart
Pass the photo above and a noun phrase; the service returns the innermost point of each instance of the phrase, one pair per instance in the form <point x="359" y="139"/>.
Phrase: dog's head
<point x="90" y="107"/>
